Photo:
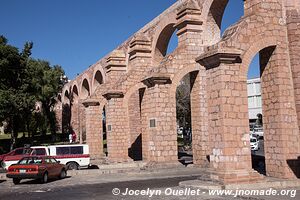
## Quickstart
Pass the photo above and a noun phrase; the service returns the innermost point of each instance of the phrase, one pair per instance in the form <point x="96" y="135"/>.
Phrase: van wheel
<point x="45" y="178"/>
<point x="63" y="174"/>
<point x="16" y="181"/>
<point x="72" y="165"/>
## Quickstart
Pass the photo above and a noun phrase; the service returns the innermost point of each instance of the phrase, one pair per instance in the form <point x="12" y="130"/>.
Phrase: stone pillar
<point x="118" y="139"/>
<point x="75" y="112"/>
<point x="281" y="132"/>
<point x="135" y="125"/>
<point x="293" y="28"/>
<point x="138" y="63"/>
<point x="58" y="114"/>
<point x="159" y="129"/>
<point x="199" y="112"/>
<point x="94" y="135"/>
<point x="228" y="119"/>
<point x="191" y="37"/>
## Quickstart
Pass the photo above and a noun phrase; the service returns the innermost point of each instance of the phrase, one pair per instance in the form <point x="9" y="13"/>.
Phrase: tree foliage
<point x="25" y="81"/>
<point x="183" y="103"/>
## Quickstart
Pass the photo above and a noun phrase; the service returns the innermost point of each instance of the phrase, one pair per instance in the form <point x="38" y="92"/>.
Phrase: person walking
<point x="70" y="138"/>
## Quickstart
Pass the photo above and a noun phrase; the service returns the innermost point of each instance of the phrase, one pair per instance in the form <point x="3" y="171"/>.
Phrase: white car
<point x="259" y="132"/>
<point x="254" y="143"/>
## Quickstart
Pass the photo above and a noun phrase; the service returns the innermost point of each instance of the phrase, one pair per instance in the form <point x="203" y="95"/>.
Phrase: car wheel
<point x="72" y="165"/>
<point x="45" y="178"/>
<point x="16" y="181"/>
<point x="63" y="174"/>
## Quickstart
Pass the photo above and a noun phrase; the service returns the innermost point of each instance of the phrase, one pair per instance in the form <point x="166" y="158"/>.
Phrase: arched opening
<point x="173" y="43"/>
<point x="75" y="114"/>
<point x="167" y="42"/>
<point x="66" y="114"/>
<point x="98" y="79"/>
<point x="221" y="17"/>
<point x="75" y="94"/>
<point x="59" y="98"/>
<point x="258" y="102"/>
<point x="66" y="97"/>
<point x="184" y="102"/>
<point x="85" y="89"/>
<point x="135" y="150"/>
<point x="104" y="133"/>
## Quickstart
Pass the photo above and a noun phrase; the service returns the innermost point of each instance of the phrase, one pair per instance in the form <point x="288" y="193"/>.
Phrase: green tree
<point x="24" y="82"/>
<point x="15" y="97"/>
<point x="46" y="82"/>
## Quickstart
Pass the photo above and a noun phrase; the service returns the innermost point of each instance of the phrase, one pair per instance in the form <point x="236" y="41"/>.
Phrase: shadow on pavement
<point x="36" y="181"/>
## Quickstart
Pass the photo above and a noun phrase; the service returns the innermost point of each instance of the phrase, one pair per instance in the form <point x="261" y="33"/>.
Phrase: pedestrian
<point x="74" y="136"/>
<point x="70" y="138"/>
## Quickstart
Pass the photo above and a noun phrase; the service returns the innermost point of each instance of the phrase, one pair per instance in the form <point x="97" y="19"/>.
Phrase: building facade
<point x="254" y="100"/>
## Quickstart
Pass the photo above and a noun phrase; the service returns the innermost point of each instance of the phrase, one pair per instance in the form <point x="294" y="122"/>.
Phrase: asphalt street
<point x="103" y="191"/>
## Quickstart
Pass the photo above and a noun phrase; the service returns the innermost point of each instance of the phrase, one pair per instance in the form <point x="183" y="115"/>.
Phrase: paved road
<point x="56" y="190"/>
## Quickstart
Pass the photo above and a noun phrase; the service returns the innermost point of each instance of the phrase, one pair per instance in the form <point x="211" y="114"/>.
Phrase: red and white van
<point x="75" y="156"/>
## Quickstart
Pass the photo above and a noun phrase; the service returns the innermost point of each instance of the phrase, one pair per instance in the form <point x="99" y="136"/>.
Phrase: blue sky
<point x="77" y="33"/>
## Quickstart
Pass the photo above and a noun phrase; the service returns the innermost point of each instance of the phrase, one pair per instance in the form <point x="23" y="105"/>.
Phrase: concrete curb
<point x="267" y="183"/>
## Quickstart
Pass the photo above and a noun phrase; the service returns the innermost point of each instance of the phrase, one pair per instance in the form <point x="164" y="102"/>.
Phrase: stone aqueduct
<point x="136" y="84"/>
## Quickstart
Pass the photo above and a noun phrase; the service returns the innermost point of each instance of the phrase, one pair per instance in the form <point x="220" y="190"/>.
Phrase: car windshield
<point x="30" y="160"/>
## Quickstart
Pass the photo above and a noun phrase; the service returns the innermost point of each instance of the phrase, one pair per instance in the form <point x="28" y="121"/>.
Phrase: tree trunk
<point x="14" y="134"/>
<point x="51" y="119"/>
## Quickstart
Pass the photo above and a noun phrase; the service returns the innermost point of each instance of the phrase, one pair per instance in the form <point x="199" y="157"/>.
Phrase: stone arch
<point x="130" y="92"/>
<point x="257" y="45"/>
<point x="66" y="110"/>
<point x="75" y="92"/>
<point x="66" y="96"/>
<point x="98" y="77"/>
<point x="85" y="87"/>
<point x="179" y="75"/>
<point x="276" y="89"/>
<point x="162" y="37"/>
<point x="212" y="15"/>
<point x="132" y="104"/>
<point x="59" y="98"/>
<point x="198" y="115"/>
<point x="207" y="7"/>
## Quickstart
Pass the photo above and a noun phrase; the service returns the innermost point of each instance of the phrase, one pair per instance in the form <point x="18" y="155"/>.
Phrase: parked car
<point x="252" y="134"/>
<point x="259" y="132"/>
<point x="254" y="143"/>
<point x="36" y="167"/>
<point x="75" y="156"/>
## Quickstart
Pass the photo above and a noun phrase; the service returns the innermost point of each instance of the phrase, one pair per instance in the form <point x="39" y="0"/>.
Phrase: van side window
<point x="76" y="150"/>
<point x="39" y="152"/>
<point x="69" y="150"/>
<point x="62" y="150"/>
